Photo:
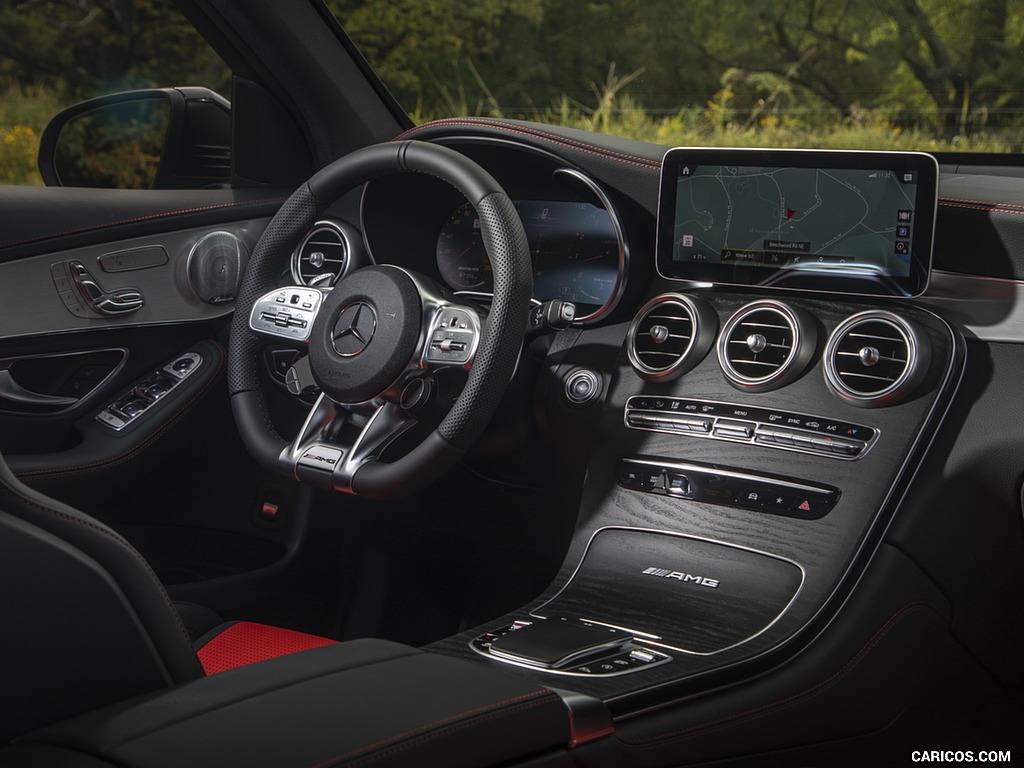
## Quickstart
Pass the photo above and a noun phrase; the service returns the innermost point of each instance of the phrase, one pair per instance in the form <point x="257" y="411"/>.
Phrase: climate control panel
<point x="740" y="423"/>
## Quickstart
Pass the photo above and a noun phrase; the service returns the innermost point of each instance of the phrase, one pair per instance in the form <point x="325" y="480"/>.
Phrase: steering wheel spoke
<point x="286" y="314"/>
<point x="337" y="441"/>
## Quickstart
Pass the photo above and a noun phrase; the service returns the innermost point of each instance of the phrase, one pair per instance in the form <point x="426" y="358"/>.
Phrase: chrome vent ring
<point x="875" y="358"/>
<point x="323" y="255"/>
<point x="766" y="344"/>
<point x="670" y="335"/>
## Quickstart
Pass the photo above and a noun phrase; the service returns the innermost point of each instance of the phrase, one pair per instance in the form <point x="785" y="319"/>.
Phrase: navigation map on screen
<point x="766" y="216"/>
<point x="813" y="220"/>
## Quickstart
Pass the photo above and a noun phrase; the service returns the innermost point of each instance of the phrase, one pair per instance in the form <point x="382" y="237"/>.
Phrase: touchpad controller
<point x="556" y="643"/>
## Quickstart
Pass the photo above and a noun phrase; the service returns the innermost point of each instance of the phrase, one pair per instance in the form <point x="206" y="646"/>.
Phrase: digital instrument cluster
<point x="576" y="248"/>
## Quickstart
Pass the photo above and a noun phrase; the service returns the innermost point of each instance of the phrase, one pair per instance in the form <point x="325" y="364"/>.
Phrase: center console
<point x="722" y="526"/>
<point x="750" y="447"/>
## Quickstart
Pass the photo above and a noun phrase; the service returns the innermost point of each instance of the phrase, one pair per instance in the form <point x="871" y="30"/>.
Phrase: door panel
<point x="176" y="478"/>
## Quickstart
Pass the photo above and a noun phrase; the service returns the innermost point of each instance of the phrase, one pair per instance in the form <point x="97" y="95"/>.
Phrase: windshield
<point x="931" y="75"/>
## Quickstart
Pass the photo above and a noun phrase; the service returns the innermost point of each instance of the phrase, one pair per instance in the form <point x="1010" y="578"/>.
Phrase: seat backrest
<point x="86" y="622"/>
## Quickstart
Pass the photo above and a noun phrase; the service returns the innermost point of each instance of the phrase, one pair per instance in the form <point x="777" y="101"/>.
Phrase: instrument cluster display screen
<point x="848" y="222"/>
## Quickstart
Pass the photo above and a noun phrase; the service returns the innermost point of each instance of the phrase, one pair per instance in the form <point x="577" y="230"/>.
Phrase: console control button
<point x="723" y="486"/>
<point x="760" y="426"/>
<point x="739" y="430"/>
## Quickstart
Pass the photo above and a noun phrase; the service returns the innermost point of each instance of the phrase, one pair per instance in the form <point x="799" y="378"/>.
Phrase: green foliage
<point x="928" y="66"/>
<point x="23" y="115"/>
<point x="84" y="48"/>
<point x="115" y="147"/>
<point x="923" y="74"/>
<point x="712" y="128"/>
<point x="54" y="53"/>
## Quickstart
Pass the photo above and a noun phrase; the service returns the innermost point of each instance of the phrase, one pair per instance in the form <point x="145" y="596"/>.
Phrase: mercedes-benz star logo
<point x="355" y="328"/>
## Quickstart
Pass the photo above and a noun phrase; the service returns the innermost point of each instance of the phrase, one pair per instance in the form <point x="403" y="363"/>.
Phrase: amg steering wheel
<point x="377" y="339"/>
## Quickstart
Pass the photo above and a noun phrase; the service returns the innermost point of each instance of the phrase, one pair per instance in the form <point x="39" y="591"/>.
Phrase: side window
<point x="170" y="84"/>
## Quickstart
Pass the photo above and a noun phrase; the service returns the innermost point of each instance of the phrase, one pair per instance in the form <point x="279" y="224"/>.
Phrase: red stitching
<point x="981" y="202"/>
<point x="543" y="136"/>
<point x="423" y="729"/>
<point x="137" y="219"/>
<point x="985" y="210"/>
<point x="121" y="458"/>
<point x="764" y="710"/>
<point x="554" y="138"/>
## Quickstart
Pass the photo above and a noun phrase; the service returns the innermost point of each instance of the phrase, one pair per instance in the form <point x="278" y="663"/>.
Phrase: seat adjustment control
<point x="88" y="293"/>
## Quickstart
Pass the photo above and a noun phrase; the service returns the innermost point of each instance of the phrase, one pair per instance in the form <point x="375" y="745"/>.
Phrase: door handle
<point x="12" y="391"/>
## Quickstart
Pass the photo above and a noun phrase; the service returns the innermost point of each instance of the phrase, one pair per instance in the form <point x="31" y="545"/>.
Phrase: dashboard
<point x="758" y="487"/>
<point x="750" y="449"/>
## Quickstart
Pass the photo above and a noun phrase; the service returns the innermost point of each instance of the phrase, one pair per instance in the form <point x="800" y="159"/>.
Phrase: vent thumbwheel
<point x="766" y="345"/>
<point x="875" y="358"/>
<point x="670" y="335"/>
<point x="320" y="258"/>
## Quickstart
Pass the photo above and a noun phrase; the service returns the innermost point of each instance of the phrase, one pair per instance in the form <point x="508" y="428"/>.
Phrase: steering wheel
<point x="377" y="339"/>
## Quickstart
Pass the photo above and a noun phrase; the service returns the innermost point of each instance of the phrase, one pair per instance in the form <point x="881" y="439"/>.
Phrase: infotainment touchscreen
<point x="836" y="221"/>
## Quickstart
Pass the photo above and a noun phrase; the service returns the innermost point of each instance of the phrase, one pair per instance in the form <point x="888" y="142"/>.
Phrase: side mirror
<point x="166" y="138"/>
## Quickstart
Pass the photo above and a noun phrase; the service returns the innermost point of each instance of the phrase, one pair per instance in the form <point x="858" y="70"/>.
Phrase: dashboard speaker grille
<point x="765" y="345"/>
<point x="874" y="358"/>
<point x="670" y="335"/>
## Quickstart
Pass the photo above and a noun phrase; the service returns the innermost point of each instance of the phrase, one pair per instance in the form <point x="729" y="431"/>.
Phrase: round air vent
<point x="215" y="266"/>
<point x="766" y="345"/>
<point x="322" y="256"/>
<point x="875" y="358"/>
<point x="670" y="335"/>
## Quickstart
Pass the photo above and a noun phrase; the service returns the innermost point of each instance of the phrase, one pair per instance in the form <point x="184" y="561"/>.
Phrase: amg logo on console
<point x="688" y="578"/>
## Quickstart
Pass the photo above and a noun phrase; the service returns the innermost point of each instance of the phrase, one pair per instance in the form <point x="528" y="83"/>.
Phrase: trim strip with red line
<point x="140" y="219"/>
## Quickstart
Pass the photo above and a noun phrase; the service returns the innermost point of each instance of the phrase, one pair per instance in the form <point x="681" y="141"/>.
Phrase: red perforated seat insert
<point x="247" y="642"/>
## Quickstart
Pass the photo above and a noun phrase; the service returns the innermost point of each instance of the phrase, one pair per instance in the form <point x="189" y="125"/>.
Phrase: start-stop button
<point x="582" y="386"/>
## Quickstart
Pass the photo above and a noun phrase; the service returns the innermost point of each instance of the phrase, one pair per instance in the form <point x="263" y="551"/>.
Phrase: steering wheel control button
<point x="712" y="484"/>
<point x="760" y="426"/>
<point x="582" y="386"/>
<point x="156" y="386"/>
<point x="354" y="329"/>
<point x="453" y="337"/>
<point x="287" y="313"/>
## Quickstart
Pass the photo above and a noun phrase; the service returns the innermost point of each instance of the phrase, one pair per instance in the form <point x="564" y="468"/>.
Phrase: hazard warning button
<point x="809" y="505"/>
